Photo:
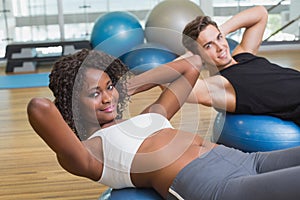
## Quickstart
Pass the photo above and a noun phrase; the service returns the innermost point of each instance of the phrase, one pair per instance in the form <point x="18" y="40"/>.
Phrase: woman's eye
<point x="110" y="87"/>
<point x="94" y="94"/>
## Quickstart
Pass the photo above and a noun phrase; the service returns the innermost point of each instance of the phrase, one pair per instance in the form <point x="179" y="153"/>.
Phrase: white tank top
<point x="121" y="142"/>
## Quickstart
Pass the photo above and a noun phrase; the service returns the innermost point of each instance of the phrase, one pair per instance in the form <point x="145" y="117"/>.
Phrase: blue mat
<point x="24" y="80"/>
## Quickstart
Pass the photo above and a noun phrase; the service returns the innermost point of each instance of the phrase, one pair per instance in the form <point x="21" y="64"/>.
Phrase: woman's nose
<point x="106" y="97"/>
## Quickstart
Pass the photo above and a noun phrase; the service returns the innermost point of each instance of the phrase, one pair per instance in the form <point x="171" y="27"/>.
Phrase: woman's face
<point x="98" y="99"/>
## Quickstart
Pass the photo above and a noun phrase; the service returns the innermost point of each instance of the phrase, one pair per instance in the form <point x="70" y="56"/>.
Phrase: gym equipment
<point x="147" y="56"/>
<point x="24" y="57"/>
<point x="166" y="21"/>
<point x="116" y="33"/>
<point x="130" y="194"/>
<point x="232" y="44"/>
<point x="251" y="133"/>
<point x="13" y="81"/>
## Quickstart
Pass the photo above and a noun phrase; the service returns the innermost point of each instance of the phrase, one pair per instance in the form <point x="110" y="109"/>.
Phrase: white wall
<point x="206" y="7"/>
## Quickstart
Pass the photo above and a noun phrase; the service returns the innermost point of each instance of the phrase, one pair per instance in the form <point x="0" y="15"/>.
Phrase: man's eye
<point x="207" y="46"/>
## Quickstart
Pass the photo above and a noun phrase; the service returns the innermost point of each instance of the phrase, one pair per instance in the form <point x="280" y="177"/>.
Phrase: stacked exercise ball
<point x="166" y="21"/>
<point x="147" y="56"/>
<point x="120" y="34"/>
<point x="252" y="133"/>
<point x="232" y="44"/>
<point x="116" y="32"/>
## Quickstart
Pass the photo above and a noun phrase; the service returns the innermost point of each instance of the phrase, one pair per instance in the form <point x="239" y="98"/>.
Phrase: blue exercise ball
<point x="252" y="133"/>
<point x="116" y="32"/>
<point x="130" y="194"/>
<point x="147" y="56"/>
<point x="232" y="44"/>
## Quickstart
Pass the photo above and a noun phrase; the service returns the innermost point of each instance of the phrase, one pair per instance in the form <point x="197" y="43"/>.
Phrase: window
<point x="37" y="20"/>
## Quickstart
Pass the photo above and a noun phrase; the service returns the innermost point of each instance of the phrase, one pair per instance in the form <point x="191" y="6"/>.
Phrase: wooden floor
<point x="28" y="168"/>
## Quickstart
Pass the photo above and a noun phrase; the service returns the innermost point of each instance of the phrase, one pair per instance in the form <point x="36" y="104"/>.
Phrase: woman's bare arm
<point x="160" y="75"/>
<point x="48" y="123"/>
<point x="181" y="76"/>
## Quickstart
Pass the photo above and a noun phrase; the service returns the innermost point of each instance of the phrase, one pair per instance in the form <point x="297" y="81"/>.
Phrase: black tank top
<point x="264" y="88"/>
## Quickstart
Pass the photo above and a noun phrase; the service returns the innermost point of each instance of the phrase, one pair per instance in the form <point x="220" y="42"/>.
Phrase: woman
<point x="146" y="151"/>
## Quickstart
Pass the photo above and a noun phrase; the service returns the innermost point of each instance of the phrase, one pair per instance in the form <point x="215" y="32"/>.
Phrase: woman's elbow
<point x="38" y="107"/>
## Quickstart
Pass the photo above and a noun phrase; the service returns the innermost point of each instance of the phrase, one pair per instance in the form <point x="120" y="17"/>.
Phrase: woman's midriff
<point x="163" y="155"/>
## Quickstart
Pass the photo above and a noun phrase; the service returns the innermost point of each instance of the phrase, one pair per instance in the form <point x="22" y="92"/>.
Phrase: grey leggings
<point x="229" y="174"/>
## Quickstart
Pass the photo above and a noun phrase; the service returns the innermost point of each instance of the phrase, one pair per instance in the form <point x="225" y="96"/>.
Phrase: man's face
<point x="213" y="47"/>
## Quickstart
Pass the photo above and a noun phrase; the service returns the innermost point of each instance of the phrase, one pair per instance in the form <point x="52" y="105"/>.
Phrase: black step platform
<point x="23" y="57"/>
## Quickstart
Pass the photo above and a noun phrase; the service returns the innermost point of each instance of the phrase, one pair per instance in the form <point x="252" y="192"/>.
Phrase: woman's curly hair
<point x="68" y="75"/>
<point x="192" y="30"/>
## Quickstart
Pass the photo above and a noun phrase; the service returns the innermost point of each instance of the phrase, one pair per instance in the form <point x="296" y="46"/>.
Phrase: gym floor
<point x="29" y="169"/>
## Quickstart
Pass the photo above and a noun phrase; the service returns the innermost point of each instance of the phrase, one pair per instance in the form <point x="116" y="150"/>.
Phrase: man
<point x="241" y="82"/>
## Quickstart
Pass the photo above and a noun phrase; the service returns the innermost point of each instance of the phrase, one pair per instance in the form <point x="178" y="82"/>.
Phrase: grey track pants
<point x="228" y="174"/>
